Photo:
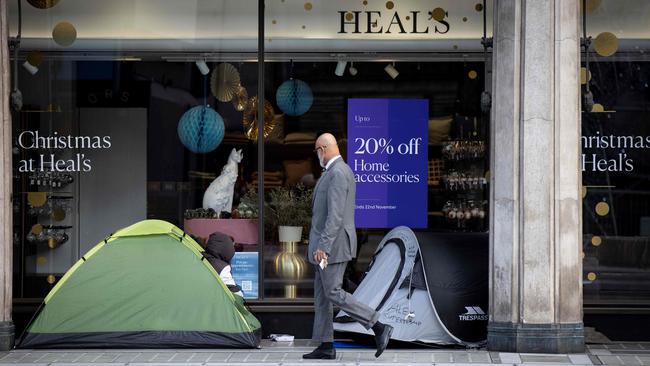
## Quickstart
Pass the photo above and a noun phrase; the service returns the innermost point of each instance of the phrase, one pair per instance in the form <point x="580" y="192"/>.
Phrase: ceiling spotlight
<point x="352" y="70"/>
<point x="29" y="67"/>
<point x="391" y="70"/>
<point x="340" y="68"/>
<point x="203" y="67"/>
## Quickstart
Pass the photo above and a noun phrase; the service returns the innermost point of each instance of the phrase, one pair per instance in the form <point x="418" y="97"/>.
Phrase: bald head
<point x="326" y="146"/>
<point x="326" y="139"/>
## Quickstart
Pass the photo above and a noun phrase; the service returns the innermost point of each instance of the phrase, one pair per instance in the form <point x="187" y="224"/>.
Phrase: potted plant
<point x="290" y="208"/>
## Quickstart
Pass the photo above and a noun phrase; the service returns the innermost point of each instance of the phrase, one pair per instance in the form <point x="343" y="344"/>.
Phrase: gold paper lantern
<point x="37" y="199"/>
<point x="439" y="14"/>
<point x="606" y="44"/>
<point x="591" y="276"/>
<point x="240" y="99"/>
<point x="35" y="58"/>
<point x="250" y="118"/>
<point x="472" y="74"/>
<point x="43" y="4"/>
<point x="602" y="208"/>
<point x="64" y="34"/>
<point x="41" y="260"/>
<point x="308" y="6"/>
<point x="51" y="279"/>
<point x="225" y="82"/>
<point x="596" y="240"/>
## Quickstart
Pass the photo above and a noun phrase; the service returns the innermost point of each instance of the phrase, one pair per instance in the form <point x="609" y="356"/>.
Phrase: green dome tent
<point x="145" y="286"/>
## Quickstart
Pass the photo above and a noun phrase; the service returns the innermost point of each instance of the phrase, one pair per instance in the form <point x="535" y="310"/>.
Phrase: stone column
<point x="6" y="229"/>
<point x="536" y="218"/>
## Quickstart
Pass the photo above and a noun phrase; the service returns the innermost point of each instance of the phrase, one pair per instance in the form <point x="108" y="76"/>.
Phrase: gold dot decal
<point x="37" y="199"/>
<point x="64" y="34"/>
<point x="606" y="44"/>
<point x="455" y="46"/>
<point x="472" y="74"/>
<point x="58" y="214"/>
<point x="51" y="243"/>
<point x="602" y="208"/>
<point x="464" y="19"/>
<point x="585" y="75"/>
<point x="408" y="17"/>
<point x="479" y="7"/>
<point x="41" y="260"/>
<point x="592" y="5"/>
<point x="309" y="6"/>
<point x="390" y="5"/>
<point x="43" y="4"/>
<point x="584" y="191"/>
<point x="596" y="240"/>
<point x="51" y="279"/>
<point x="591" y="276"/>
<point x="597" y="108"/>
<point x="349" y="16"/>
<point x="37" y="229"/>
<point x="274" y="21"/>
<point x="439" y="14"/>
<point x="35" y="58"/>
<point x="304" y="26"/>
<point x="365" y="2"/>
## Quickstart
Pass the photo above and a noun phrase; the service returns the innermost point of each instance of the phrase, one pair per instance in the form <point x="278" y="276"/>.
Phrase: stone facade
<point x="536" y="218"/>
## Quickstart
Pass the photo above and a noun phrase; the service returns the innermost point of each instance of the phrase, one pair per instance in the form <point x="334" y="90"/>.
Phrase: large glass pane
<point x="328" y="60"/>
<point x="131" y="110"/>
<point x="615" y="142"/>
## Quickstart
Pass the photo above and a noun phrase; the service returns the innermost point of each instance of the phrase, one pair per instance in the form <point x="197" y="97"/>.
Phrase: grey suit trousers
<point x="328" y="292"/>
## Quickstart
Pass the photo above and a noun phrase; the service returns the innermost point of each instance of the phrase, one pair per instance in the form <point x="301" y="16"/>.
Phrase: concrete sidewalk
<point x="290" y="354"/>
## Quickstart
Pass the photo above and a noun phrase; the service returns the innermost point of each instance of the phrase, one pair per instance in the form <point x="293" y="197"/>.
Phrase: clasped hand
<point x="320" y="255"/>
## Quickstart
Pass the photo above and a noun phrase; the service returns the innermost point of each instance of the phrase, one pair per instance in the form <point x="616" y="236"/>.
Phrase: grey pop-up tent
<point x="430" y="287"/>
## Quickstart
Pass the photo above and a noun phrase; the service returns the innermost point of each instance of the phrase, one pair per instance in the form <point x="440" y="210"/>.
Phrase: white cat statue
<point x="219" y="194"/>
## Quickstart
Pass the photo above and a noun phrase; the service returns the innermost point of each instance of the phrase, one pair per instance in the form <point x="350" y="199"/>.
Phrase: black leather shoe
<point x="382" y="339"/>
<point x="321" y="354"/>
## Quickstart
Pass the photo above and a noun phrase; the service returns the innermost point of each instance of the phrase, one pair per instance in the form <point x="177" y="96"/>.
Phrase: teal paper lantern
<point x="294" y="97"/>
<point x="201" y="129"/>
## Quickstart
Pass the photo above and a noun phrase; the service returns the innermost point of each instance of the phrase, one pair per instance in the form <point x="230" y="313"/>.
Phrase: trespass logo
<point x="473" y="313"/>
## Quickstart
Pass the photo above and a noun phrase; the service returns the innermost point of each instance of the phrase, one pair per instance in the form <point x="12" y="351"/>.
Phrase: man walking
<point x="332" y="243"/>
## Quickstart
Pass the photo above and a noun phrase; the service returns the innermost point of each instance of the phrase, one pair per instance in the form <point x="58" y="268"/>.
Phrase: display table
<point x="243" y="231"/>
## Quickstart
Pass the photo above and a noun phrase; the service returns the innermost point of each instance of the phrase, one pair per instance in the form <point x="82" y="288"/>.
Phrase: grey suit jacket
<point x="332" y="222"/>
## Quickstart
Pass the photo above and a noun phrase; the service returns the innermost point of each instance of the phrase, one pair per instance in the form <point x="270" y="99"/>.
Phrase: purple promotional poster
<point x="387" y="151"/>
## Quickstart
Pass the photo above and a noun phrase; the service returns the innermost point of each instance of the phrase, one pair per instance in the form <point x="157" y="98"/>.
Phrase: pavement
<point x="289" y="353"/>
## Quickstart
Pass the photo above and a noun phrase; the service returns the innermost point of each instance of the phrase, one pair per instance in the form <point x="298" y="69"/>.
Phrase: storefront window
<point x="149" y="110"/>
<point x="328" y="60"/>
<point x="130" y="111"/>
<point x="615" y="142"/>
